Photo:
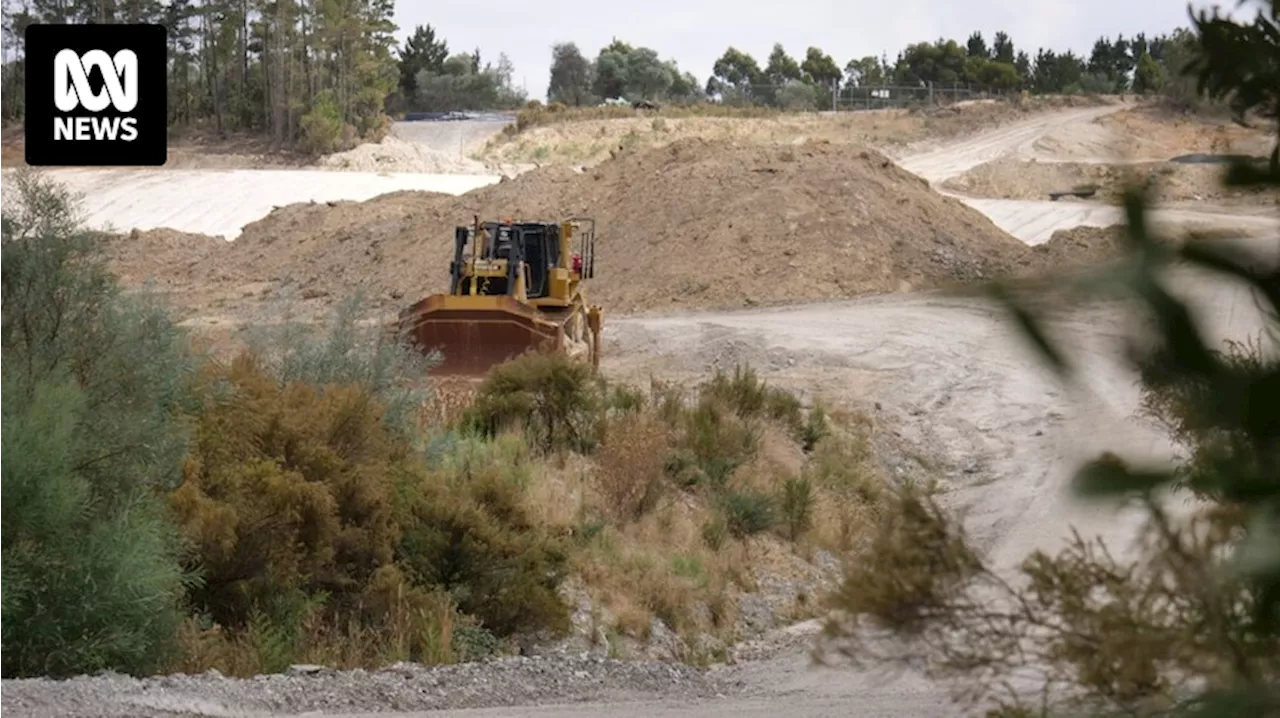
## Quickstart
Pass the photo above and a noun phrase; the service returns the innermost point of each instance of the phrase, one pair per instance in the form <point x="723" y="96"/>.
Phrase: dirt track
<point x="1035" y="221"/>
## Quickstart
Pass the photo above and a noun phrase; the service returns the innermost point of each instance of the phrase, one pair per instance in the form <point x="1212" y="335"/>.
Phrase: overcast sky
<point x="696" y="32"/>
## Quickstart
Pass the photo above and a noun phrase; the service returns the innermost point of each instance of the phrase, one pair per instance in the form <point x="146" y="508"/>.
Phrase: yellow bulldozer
<point x="513" y="287"/>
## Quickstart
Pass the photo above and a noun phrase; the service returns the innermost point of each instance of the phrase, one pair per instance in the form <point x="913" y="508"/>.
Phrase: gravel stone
<point x="523" y="680"/>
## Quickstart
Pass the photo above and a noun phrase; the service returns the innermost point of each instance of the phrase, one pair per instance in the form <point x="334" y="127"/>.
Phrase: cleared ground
<point x="220" y="203"/>
<point x="947" y="374"/>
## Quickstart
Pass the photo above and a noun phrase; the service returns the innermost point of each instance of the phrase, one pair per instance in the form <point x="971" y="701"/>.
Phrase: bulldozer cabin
<point x="513" y="287"/>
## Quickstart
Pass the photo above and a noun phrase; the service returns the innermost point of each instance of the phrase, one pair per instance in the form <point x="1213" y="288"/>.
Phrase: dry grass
<point x="590" y="135"/>
<point x="654" y="545"/>
<point x="539" y="115"/>
<point x="415" y="625"/>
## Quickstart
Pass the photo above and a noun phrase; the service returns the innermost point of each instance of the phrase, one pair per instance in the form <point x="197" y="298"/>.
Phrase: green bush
<point x="471" y="537"/>
<point x="748" y="512"/>
<point x="552" y="397"/>
<point x="743" y="392"/>
<point x="348" y="353"/>
<point x="93" y="386"/>
<point x="814" y="429"/>
<point x="322" y="126"/>
<point x="712" y="443"/>
<point x="797" y="505"/>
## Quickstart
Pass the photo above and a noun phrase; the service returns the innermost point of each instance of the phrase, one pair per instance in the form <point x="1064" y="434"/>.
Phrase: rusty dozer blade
<point x="476" y="333"/>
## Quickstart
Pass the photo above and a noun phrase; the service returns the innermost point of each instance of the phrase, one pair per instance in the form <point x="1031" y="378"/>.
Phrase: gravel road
<point x="948" y="374"/>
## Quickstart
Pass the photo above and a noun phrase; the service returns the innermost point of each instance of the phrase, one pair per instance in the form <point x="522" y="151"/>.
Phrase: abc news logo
<point x="96" y="95"/>
<point x="71" y="90"/>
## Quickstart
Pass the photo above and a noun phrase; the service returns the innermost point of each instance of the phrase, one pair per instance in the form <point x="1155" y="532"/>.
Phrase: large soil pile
<point x="693" y="224"/>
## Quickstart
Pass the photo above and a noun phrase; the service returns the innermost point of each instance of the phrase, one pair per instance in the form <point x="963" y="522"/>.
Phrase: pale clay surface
<point x="949" y="374"/>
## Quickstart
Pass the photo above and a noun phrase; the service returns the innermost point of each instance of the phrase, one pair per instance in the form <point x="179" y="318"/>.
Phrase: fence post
<point x="931" y="102"/>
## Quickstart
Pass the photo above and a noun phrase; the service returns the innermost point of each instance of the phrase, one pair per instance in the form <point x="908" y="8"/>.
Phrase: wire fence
<point x="801" y="96"/>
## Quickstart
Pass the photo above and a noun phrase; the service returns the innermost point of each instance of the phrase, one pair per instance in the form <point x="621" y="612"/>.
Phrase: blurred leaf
<point x="1108" y="475"/>
<point x="1181" y="337"/>
<point x="1031" y="327"/>
<point x="1259" y="553"/>
<point x="1234" y="260"/>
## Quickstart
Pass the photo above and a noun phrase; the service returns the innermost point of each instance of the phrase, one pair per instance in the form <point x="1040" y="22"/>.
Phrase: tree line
<point x="1139" y="64"/>
<point x="323" y="75"/>
<point x="308" y="73"/>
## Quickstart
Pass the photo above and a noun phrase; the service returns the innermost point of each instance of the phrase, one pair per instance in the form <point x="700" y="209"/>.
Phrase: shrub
<point x="743" y="392"/>
<point x="322" y="125"/>
<point x="348" y="353"/>
<point x="85" y="589"/>
<point x="749" y="512"/>
<point x="814" y="429"/>
<point x="630" y="465"/>
<point x="712" y="444"/>
<point x="287" y="489"/>
<point x="394" y="622"/>
<point x="471" y="536"/>
<point x="93" y="389"/>
<point x="797" y="505"/>
<point x="551" y="396"/>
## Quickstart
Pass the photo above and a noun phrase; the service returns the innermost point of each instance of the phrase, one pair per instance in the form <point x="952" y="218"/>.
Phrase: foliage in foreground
<point x="93" y="386"/>
<point x="1192" y="626"/>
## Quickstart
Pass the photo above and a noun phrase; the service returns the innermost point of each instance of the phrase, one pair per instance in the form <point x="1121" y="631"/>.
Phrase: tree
<point x="1002" y="48"/>
<point x="613" y="72"/>
<point x="1180" y="85"/>
<point x="648" y="76"/>
<point x="684" y="86"/>
<point x="1147" y="77"/>
<point x="1022" y="64"/>
<point x="737" y="72"/>
<point x="819" y="68"/>
<point x="866" y="72"/>
<point x="1053" y="73"/>
<point x="781" y="68"/>
<point x="460" y="86"/>
<point x="422" y="52"/>
<point x="571" y="76"/>
<point x="941" y="63"/>
<point x="1241" y="63"/>
<point x="977" y="46"/>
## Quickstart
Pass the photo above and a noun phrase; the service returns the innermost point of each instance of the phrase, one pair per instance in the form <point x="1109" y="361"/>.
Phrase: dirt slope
<point x="1169" y="182"/>
<point x="581" y="136"/>
<point x="693" y="224"/>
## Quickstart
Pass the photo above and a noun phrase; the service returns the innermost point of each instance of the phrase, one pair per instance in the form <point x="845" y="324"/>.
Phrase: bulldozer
<point x="513" y="287"/>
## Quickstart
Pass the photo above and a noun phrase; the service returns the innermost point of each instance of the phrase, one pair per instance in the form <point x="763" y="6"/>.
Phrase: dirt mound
<point x="1084" y="246"/>
<point x="1168" y="181"/>
<point x="1078" y="247"/>
<point x="393" y="154"/>
<point x="696" y="224"/>
<point x="164" y="255"/>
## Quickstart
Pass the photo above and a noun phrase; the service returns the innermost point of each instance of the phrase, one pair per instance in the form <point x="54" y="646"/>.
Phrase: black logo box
<point x="150" y="115"/>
